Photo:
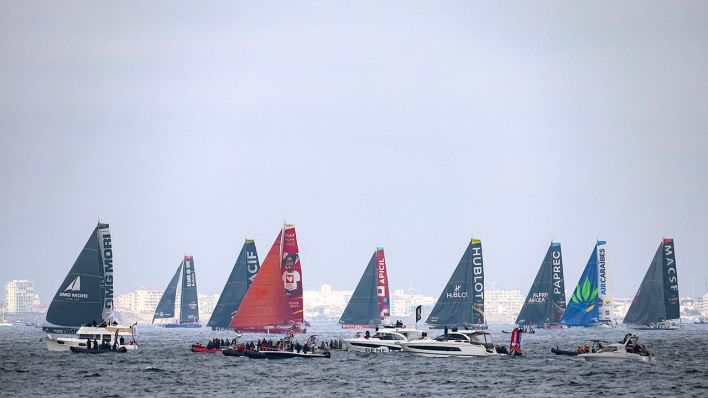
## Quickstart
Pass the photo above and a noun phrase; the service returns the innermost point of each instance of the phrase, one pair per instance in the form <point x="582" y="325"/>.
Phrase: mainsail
<point x="462" y="301"/>
<point x="189" y="303"/>
<point x="657" y="299"/>
<point x="166" y="306"/>
<point x="86" y="294"/>
<point x="369" y="306"/>
<point x="584" y="305"/>
<point x="545" y="302"/>
<point x="275" y="297"/>
<point x="240" y="279"/>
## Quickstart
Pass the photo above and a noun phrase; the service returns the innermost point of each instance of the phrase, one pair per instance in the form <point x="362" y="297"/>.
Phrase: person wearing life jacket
<point x="579" y="350"/>
<point x="587" y="348"/>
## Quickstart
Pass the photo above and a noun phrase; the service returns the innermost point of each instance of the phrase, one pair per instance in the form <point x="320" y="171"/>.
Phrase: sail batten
<point x="238" y="283"/>
<point x="461" y="303"/>
<point x="369" y="305"/>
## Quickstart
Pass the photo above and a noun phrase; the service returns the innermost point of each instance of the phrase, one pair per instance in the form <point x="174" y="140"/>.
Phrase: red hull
<point x="273" y="330"/>
<point x="207" y="350"/>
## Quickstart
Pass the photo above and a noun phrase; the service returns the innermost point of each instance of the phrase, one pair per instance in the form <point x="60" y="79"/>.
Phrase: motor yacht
<point x="387" y="339"/>
<point x="456" y="343"/>
<point x="123" y="336"/>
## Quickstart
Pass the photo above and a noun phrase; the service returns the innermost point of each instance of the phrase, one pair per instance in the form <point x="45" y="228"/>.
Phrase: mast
<point x="461" y="303"/>
<point x="240" y="279"/>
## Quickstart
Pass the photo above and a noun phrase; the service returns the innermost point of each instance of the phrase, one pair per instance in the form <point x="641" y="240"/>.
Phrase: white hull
<point x="616" y="356"/>
<point x="444" y="349"/>
<point x="656" y="326"/>
<point x="108" y="334"/>
<point x="371" y="345"/>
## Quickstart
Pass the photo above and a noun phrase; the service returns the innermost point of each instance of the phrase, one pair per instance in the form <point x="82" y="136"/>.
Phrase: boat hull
<point x="84" y="350"/>
<point x="233" y="353"/>
<point x="372" y="345"/>
<point x="283" y="354"/>
<point x="182" y="326"/>
<point x="616" y="356"/>
<point x="438" y="349"/>
<point x="564" y="352"/>
<point x="206" y="350"/>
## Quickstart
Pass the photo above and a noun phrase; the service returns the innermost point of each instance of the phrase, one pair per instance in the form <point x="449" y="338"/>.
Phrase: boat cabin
<point x="396" y="334"/>
<point x="478" y="337"/>
<point x="109" y="335"/>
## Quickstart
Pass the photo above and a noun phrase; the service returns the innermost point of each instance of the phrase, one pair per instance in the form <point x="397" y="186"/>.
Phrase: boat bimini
<point x="628" y="349"/>
<point x="387" y="339"/>
<point x="121" y="335"/>
<point x="461" y="343"/>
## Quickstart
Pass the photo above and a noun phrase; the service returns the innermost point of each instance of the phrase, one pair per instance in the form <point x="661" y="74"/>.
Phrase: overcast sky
<point x="410" y="125"/>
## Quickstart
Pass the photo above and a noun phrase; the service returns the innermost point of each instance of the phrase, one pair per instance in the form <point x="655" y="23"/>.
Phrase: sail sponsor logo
<point x="671" y="267"/>
<point x="252" y="266"/>
<point x="107" y="255"/>
<point x="538" y="297"/>
<point x="478" y="271"/>
<point x="188" y="275"/>
<point x="381" y="277"/>
<point x="73" y="290"/>
<point x="601" y="264"/>
<point x="557" y="271"/>
<point x="457" y="293"/>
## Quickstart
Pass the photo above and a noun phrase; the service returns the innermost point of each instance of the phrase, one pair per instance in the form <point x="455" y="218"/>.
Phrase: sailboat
<point x="273" y="303"/>
<point x="461" y="303"/>
<point x="4" y="321"/>
<point x="240" y="279"/>
<point x="590" y="303"/>
<point x="85" y="298"/>
<point x="369" y="306"/>
<point x="545" y="302"/>
<point x="656" y="304"/>
<point x="189" y="302"/>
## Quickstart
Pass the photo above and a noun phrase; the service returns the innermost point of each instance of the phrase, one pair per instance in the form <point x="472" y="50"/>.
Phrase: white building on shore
<point x="20" y="297"/>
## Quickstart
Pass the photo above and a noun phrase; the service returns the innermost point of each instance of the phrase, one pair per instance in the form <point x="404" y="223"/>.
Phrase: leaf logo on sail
<point x="585" y="295"/>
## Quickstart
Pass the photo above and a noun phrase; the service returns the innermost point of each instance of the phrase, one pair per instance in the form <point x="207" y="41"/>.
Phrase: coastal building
<point x="19" y="296"/>
<point x="502" y="306"/>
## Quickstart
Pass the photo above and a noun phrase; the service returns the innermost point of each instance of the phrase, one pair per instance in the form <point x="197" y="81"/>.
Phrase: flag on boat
<point x="418" y="313"/>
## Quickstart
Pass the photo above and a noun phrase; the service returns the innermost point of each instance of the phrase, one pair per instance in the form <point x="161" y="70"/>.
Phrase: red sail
<point x="266" y="303"/>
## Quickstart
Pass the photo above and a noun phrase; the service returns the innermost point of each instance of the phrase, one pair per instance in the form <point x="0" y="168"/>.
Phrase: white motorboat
<point x="123" y="336"/>
<point x="461" y="343"/>
<point x="627" y="350"/>
<point x="4" y="321"/>
<point x="384" y="340"/>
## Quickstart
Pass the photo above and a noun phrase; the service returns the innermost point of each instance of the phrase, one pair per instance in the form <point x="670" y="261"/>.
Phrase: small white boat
<point x="121" y="335"/>
<point x="627" y="350"/>
<point x="4" y="321"/>
<point x="463" y="343"/>
<point x="387" y="339"/>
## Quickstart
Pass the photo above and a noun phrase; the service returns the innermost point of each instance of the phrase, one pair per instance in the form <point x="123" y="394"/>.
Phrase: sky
<point x="411" y="125"/>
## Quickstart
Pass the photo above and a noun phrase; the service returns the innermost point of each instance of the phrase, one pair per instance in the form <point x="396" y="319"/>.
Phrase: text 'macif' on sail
<point x="657" y="299"/>
<point x="545" y="302"/>
<point x="369" y="306"/>
<point x="86" y="294"/>
<point x="273" y="303"/>
<point x="587" y="304"/>
<point x="240" y="279"/>
<point x="461" y="303"/>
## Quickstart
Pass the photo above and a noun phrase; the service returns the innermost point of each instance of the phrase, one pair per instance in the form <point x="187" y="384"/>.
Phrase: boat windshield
<point x="452" y="337"/>
<point x="388" y="336"/>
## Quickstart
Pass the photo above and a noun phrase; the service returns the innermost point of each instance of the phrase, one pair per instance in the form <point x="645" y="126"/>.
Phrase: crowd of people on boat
<point x="270" y="345"/>
<point x="104" y="345"/>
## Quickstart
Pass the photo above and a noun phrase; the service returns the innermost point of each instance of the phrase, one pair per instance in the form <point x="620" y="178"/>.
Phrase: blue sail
<point x="583" y="309"/>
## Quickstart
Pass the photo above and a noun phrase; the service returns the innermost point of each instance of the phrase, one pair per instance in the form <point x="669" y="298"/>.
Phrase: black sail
<point x="462" y="301"/>
<point x="545" y="301"/>
<point x="239" y="281"/>
<point x="189" y="310"/>
<point x="80" y="297"/>
<point x="363" y="307"/>
<point x="657" y="297"/>
<point x="166" y="306"/>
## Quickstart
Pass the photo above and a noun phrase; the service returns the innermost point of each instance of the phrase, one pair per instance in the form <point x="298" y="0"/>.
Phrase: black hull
<point x="81" y="350"/>
<point x="233" y="353"/>
<point x="563" y="352"/>
<point x="283" y="354"/>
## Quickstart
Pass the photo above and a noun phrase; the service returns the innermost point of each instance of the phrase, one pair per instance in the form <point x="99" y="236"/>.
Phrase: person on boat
<point x="367" y="335"/>
<point x="95" y="344"/>
<point x="586" y="349"/>
<point x="579" y="350"/>
<point x="298" y="347"/>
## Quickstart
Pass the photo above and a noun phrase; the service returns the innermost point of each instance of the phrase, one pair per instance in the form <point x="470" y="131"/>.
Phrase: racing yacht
<point x="627" y="349"/>
<point x="386" y="339"/>
<point x="463" y="343"/>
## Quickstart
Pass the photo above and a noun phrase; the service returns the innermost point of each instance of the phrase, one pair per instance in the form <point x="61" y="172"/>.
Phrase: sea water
<point x="165" y="367"/>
